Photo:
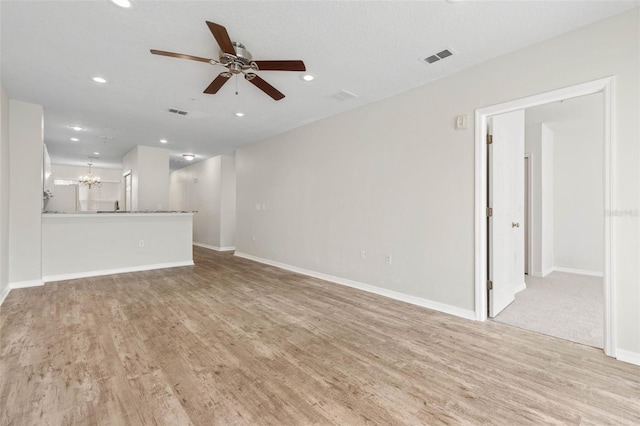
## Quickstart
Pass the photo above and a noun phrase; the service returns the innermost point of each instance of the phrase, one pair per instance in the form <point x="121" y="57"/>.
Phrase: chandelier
<point x="89" y="180"/>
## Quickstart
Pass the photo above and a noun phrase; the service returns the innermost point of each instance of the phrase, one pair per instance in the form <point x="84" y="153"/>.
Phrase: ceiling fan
<point x="238" y="60"/>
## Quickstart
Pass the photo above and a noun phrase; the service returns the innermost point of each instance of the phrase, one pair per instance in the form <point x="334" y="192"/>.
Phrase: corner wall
<point x="579" y="197"/>
<point x="25" y="193"/>
<point x="227" y="202"/>
<point x="4" y="194"/>
<point x="547" y="147"/>
<point x="207" y="187"/>
<point x="149" y="177"/>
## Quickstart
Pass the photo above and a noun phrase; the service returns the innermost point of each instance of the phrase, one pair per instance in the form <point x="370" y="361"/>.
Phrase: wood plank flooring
<point x="230" y="341"/>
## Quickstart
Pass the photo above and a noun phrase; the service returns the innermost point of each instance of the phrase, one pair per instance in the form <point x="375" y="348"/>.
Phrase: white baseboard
<point x="628" y="356"/>
<point x="207" y="246"/>
<point x="579" y="271"/>
<point x="88" y="274"/>
<point x="425" y="303"/>
<point x="520" y="287"/>
<point x="542" y="274"/>
<point x="4" y="294"/>
<point x="26" y="284"/>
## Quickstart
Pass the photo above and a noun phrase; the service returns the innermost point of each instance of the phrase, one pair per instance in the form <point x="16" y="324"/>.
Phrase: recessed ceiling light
<point x="96" y="153"/>
<point x="99" y="80"/>
<point x="308" y="77"/>
<point x="163" y="141"/>
<point x="239" y="114"/>
<point x="189" y="157"/>
<point x="122" y="3"/>
<point x="75" y="139"/>
<point x="76" y="128"/>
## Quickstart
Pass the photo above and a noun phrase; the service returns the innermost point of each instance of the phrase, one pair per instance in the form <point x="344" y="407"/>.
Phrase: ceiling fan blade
<point x="180" y="55"/>
<point x="264" y="86"/>
<point x="222" y="37"/>
<point x="280" y="65"/>
<point x="216" y="84"/>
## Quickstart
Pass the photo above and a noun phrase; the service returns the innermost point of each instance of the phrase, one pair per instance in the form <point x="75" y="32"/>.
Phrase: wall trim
<point x="4" y="294"/>
<point x="628" y="356"/>
<point x="88" y="274"/>
<point x="216" y="248"/>
<point x="579" y="271"/>
<point x="425" y="303"/>
<point x="26" y="284"/>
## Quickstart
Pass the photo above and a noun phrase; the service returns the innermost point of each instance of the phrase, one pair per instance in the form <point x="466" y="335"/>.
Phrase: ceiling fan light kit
<point x="238" y="60"/>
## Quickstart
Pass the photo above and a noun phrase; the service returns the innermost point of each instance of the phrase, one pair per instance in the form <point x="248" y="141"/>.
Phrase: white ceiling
<point x="51" y="49"/>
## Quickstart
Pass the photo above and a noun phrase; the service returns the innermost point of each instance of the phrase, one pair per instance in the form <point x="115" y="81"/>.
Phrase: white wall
<point x="197" y="187"/>
<point x="227" y="201"/>
<point x="395" y="177"/>
<point x="207" y="187"/>
<point x="153" y="178"/>
<point x="577" y="184"/>
<point x="25" y="192"/>
<point x="4" y="193"/>
<point x="130" y="163"/>
<point x="150" y="177"/>
<point x="579" y="194"/>
<point x="547" y="148"/>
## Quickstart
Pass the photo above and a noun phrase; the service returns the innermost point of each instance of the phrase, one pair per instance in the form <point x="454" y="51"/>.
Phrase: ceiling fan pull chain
<point x="236" y="84"/>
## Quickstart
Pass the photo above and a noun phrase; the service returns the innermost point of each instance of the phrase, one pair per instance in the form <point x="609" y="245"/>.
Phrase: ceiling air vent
<point x="178" y="111"/>
<point x="440" y="55"/>
<point x="343" y="95"/>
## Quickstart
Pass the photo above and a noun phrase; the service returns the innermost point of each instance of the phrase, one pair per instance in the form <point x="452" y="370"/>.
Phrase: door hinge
<point x="489" y="285"/>
<point x="489" y="212"/>
<point x="489" y="139"/>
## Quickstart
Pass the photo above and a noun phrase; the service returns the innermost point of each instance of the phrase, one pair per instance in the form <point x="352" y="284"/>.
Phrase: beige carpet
<point x="568" y="306"/>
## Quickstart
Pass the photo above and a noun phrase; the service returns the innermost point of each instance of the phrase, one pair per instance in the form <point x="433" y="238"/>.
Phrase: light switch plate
<point x="461" y="122"/>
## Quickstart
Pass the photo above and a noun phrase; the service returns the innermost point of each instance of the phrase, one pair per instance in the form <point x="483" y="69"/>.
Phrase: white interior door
<point x="506" y="198"/>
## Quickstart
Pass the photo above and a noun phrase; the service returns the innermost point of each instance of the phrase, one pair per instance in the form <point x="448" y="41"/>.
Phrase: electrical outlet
<point x="253" y="237"/>
<point x="141" y="243"/>
<point x="363" y="255"/>
<point x="387" y="259"/>
<point x="257" y="206"/>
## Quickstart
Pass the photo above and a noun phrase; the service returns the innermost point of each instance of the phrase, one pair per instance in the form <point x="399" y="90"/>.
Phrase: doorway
<point x="484" y="288"/>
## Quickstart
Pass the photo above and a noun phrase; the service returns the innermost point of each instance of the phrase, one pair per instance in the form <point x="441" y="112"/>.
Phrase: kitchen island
<point x="78" y="245"/>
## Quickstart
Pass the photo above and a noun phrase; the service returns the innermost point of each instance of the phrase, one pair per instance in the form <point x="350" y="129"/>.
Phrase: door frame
<point x="527" y="212"/>
<point x="606" y="86"/>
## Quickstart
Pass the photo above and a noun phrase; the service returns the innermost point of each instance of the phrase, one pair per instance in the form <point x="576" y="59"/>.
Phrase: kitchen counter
<point x="120" y="212"/>
<point x="85" y="244"/>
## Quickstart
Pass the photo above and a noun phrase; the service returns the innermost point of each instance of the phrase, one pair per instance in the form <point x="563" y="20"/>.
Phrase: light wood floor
<point x="230" y="341"/>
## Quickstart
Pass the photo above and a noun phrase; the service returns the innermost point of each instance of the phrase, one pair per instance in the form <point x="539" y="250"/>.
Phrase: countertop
<point x="122" y="212"/>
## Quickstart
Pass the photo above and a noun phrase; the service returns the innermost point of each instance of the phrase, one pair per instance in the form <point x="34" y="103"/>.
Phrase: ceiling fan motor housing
<point x="243" y="56"/>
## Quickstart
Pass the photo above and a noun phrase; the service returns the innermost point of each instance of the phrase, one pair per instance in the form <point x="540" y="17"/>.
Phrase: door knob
<point x="515" y="225"/>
